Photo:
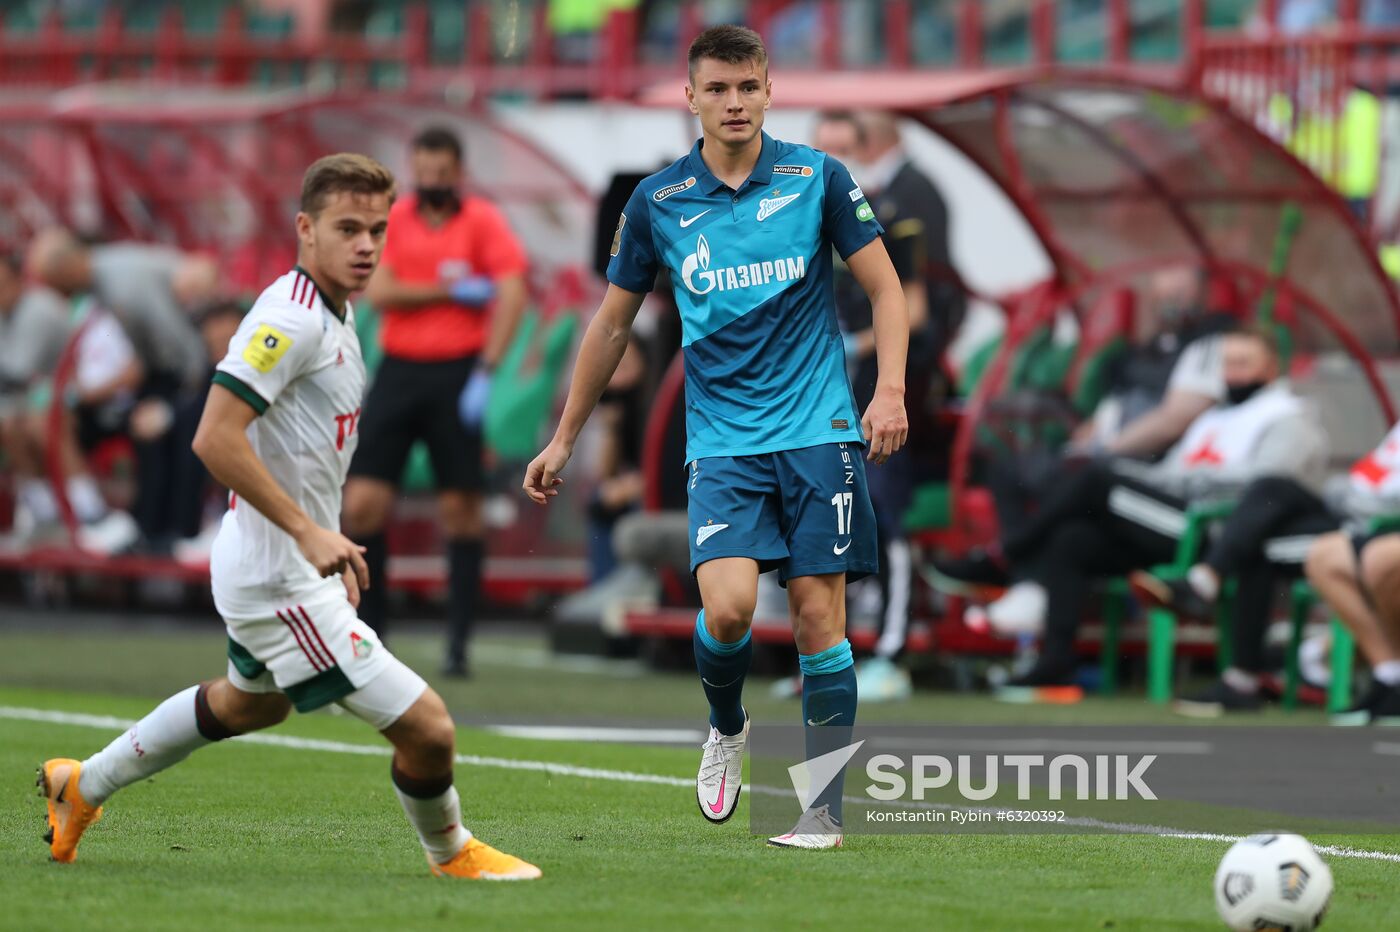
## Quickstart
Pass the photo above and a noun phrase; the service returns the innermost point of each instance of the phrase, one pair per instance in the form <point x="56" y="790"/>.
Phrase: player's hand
<point x="885" y="425"/>
<point x="472" y="290"/>
<point x="542" y="476"/>
<point x="352" y="587"/>
<point x="333" y="553"/>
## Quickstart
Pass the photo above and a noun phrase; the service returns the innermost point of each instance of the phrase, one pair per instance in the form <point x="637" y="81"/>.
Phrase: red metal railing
<point x="1301" y="91"/>
<point x="622" y="58"/>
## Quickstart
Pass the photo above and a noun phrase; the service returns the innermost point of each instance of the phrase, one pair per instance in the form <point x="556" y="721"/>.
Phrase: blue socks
<point x="829" y="711"/>
<point x="722" y="670"/>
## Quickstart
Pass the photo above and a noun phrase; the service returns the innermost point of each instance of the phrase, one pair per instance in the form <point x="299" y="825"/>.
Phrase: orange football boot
<point x="69" y="814"/>
<point x="479" y="861"/>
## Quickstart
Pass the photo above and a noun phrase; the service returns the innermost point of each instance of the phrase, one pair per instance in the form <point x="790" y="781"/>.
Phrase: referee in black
<point x="915" y="219"/>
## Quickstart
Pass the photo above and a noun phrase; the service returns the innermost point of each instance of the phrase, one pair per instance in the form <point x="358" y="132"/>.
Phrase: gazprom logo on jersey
<point x="701" y="279"/>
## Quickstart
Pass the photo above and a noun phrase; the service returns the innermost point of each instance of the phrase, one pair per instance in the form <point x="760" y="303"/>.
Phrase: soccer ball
<point x="1272" y="882"/>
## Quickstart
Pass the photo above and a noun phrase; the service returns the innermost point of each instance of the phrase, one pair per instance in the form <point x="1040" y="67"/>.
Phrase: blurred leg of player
<point x="396" y="701"/>
<point x="723" y="651"/>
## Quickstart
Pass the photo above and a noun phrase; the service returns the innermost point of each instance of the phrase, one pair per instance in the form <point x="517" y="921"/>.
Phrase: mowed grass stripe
<point x="553" y="768"/>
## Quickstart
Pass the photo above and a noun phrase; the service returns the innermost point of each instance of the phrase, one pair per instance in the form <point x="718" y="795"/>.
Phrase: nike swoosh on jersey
<point x="771" y="205"/>
<point x="708" y="531"/>
<point x="840" y="550"/>
<point x="687" y="221"/>
<point x="826" y="721"/>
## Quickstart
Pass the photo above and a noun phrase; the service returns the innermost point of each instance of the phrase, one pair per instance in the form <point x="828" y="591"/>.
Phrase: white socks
<point x="1203" y="579"/>
<point x="164" y="737"/>
<point x="1387" y="672"/>
<point x="83" y="495"/>
<point x="437" y="820"/>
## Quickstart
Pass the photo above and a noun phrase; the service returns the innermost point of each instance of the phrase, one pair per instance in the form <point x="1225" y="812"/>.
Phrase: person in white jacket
<point x="1358" y="573"/>
<point x="1116" y="517"/>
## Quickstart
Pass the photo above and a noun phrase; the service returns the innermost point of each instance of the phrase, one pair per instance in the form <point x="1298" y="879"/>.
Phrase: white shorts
<point x="314" y="648"/>
<point x="381" y="702"/>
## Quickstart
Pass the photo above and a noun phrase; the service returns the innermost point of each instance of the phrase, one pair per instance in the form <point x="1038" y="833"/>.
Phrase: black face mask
<point x="444" y="198"/>
<point x="1239" y="394"/>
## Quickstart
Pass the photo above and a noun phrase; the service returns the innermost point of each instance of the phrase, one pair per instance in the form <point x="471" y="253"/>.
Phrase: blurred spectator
<point x="1358" y="572"/>
<point x="96" y="404"/>
<point x="576" y="24"/>
<point x="1113" y="518"/>
<point x="1155" y="391"/>
<point x="150" y="290"/>
<point x="622" y="411"/>
<point x="33" y="331"/>
<point x="452" y="288"/>
<point x="1277" y="524"/>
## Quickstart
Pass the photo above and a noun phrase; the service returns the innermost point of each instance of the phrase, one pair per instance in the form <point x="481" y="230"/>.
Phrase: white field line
<point x="52" y="717"/>
<point x="589" y="733"/>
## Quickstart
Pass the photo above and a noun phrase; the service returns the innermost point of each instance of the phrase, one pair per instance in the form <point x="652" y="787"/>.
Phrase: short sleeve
<point x="275" y="343"/>
<point x="847" y="217"/>
<point x="1200" y="369"/>
<point x="499" y="252"/>
<point x="633" y="265"/>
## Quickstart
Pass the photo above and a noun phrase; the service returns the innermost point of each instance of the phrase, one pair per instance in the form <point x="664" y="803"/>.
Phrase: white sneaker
<point x="721" y="774"/>
<point x="115" y="532"/>
<point x="881" y="680"/>
<point x="816" y="829"/>
<point x="1020" y="611"/>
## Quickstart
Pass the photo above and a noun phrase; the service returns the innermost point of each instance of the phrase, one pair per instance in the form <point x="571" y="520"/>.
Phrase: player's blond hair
<point x="343" y="172"/>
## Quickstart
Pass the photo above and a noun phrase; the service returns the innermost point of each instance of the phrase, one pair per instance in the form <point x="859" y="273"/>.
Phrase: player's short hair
<point x="343" y="172"/>
<point x="1267" y="335"/>
<point x="730" y="44"/>
<point x="847" y="117"/>
<point x="438" y="138"/>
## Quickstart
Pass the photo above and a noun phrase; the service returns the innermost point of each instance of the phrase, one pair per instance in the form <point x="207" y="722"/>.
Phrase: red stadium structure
<point x="1119" y="177"/>
<point x="1119" y="169"/>
<point x="219" y="171"/>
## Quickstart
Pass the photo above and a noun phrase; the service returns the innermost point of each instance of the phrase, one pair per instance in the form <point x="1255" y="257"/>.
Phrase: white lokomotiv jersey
<point x="298" y="364"/>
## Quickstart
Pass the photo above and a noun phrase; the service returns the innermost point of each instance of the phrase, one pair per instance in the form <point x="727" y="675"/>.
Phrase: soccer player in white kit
<point x="279" y="430"/>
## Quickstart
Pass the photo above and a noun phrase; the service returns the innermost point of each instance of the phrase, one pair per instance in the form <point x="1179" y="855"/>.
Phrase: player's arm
<point x="386" y="290"/>
<point x="604" y="342"/>
<point x="885" y="424"/>
<point x="906" y="248"/>
<point x="221" y="443"/>
<point x="511" y="295"/>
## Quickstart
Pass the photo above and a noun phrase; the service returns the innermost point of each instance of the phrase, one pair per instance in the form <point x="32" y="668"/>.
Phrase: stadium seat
<point x="1161" y="623"/>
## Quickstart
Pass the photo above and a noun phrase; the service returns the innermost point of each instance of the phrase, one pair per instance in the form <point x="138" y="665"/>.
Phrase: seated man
<point x="1156" y="391"/>
<point x="1110" y="518"/>
<point x="1359" y="575"/>
<point x="1276" y="525"/>
<point x="33" y="331"/>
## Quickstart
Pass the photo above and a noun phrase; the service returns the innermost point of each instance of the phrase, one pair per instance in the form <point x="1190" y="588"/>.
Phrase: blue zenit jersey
<point x="764" y="365"/>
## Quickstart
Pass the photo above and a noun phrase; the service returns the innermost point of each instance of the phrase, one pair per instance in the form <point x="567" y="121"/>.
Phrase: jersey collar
<point x="338" y="312"/>
<point x="762" y="170"/>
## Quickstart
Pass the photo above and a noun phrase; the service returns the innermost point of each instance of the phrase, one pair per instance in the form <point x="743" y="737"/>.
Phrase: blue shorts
<point x="802" y="512"/>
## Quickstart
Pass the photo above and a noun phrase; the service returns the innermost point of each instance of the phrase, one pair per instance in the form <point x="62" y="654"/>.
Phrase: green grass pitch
<point x="251" y="836"/>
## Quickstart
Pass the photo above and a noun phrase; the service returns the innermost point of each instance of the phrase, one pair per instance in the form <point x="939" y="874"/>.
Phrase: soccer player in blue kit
<point x="746" y="224"/>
